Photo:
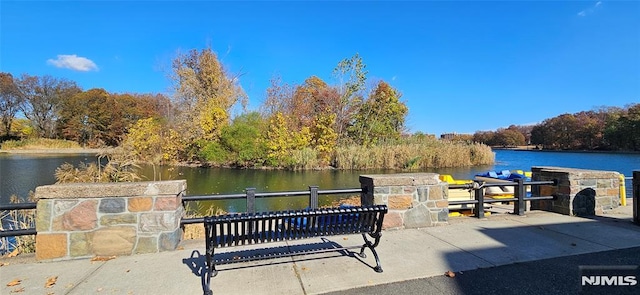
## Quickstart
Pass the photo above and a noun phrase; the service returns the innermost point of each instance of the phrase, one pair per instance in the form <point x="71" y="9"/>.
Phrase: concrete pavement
<point x="465" y="244"/>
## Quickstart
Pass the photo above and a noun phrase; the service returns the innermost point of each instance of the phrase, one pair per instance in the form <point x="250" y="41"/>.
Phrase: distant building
<point x="454" y="135"/>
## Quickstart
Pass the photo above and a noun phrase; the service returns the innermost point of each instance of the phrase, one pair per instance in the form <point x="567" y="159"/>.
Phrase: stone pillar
<point x="414" y="199"/>
<point x="82" y="220"/>
<point x="579" y="192"/>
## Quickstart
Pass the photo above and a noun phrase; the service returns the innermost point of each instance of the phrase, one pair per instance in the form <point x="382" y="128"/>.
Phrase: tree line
<point x="606" y="128"/>
<point x="296" y="122"/>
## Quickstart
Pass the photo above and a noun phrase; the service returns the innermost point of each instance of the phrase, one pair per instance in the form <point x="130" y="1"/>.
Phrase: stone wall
<point x="108" y="219"/>
<point x="414" y="199"/>
<point x="579" y="192"/>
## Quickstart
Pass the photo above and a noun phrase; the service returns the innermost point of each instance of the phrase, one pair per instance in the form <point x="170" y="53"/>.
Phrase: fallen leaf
<point x="14" y="283"/>
<point x="128" y="270"/>
<point x="450" y="274"/>
<point x="19" y="290"/>
<point x="103" y="258"/>
<point x="51" y="293"/>
<point x="51" y="281"/>
<point x="3" y="264"/>
<point x="14" y="253"/>
<point x="304" y="268"/>
<point x="180" y="248"/>
<point x="345" y="238"/>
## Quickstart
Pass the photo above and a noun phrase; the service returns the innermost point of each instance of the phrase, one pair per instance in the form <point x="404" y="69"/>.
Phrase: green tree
<point x="242" y="139"/>
<point x="381" y="116"/>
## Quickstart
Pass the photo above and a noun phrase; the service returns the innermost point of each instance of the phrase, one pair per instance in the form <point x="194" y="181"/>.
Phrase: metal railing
<point x="250" y="195"/>
<point x="519" y="195"/>
<point x="17" y="232"/>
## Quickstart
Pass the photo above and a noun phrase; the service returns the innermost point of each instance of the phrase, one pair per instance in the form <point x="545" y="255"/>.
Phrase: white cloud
<point x="73" y="62"/>
<point x="590" y="10"/>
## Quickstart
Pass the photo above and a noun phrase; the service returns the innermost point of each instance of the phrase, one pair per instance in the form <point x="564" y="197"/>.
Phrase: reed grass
<point x="39" y="143"/>
<point x="17" y="219"/>
<point x="413" y="154"/>
<point x="193" y="210"/>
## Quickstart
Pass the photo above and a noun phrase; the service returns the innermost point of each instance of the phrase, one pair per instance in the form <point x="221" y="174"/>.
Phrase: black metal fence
<point x="519" y="198"/>
<point x="250" y="196"/>
<point x="16" y="232"/>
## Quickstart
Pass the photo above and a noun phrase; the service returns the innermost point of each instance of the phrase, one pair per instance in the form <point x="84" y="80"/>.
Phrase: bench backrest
<point x="264" y="227"/>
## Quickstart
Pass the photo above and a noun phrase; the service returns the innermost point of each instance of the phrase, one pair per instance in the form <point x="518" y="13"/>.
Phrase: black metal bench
<point x="258" y="228"/>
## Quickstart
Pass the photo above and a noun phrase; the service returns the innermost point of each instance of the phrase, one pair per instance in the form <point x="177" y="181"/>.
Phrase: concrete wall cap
<point x="112" y="189"/>
<point x="401" y="179"/>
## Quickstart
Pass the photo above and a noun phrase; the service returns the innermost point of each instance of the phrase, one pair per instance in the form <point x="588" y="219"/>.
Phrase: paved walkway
<point x="464" y="245"/>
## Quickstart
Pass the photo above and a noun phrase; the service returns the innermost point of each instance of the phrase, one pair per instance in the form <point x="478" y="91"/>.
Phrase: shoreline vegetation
<point x="396" y="155"/>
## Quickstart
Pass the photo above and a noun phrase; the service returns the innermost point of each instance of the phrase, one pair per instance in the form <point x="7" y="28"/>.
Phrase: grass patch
<point x="413" y="154"/>
<point x="38" y="144"/>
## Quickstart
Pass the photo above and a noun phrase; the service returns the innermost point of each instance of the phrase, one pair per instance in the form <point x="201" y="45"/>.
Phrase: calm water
<point x="20" y="174"/>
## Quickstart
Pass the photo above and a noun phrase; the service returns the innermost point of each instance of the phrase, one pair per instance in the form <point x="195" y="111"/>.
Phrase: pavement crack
<point x="84" y="278"/>
<point x="295" y="270"/>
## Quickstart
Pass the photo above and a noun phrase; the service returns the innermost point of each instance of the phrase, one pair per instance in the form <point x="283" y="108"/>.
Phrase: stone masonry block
<point x="117" y="219"/>
<point x="112" y="205"/>
<point x="79" y="245"/>
<point x="436" y="192"/>
<point x="158" y="222"/>
<point x="417" y="217"/>
<point x="423" y="193"/>
<point x="81" y="217"/>
<point x="140" y="204"/>
<point x="380" y="199"/>
<point x="396" y="190"/>
<point x="167" y="203"/>
<point x="169" y="241"/>
<point x="116" y="240"/>
<point x="43" y="216"/>
<point x="147" y="245"/>
<point x="392" y="220"/>
<point x="400" y="202"/>
<point x="63" y="206"/>
<point x="51" y="246"/>
<point x="381" y="190"/>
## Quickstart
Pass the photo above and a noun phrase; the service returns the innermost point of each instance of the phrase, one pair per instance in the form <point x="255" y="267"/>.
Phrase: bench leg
<point x="211" y="270"/>
<point x="372" y="247"/>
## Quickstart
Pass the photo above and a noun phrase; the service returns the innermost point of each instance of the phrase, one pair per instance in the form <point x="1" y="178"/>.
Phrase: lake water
<point x="21" y="173"/>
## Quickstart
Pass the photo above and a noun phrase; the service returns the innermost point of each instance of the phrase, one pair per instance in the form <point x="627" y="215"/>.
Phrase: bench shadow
<point x="198" y="265"/>
<point x="232" y="260"/>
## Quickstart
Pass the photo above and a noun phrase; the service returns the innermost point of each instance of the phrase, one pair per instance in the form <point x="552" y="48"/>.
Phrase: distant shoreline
<point x="533" y="149"/>
<point x="53" y="151"/>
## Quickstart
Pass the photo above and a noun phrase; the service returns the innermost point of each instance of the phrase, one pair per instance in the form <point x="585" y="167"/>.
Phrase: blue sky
<point x="462" y="66"/>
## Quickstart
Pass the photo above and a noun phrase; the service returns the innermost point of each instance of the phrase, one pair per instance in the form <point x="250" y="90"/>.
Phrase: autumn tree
<point x="87" y="116"/>
<point x="205" y="93"/>
<point x="10" y="100"/>
<point x="381" y="116"/>
<point x="43" y="98"/>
